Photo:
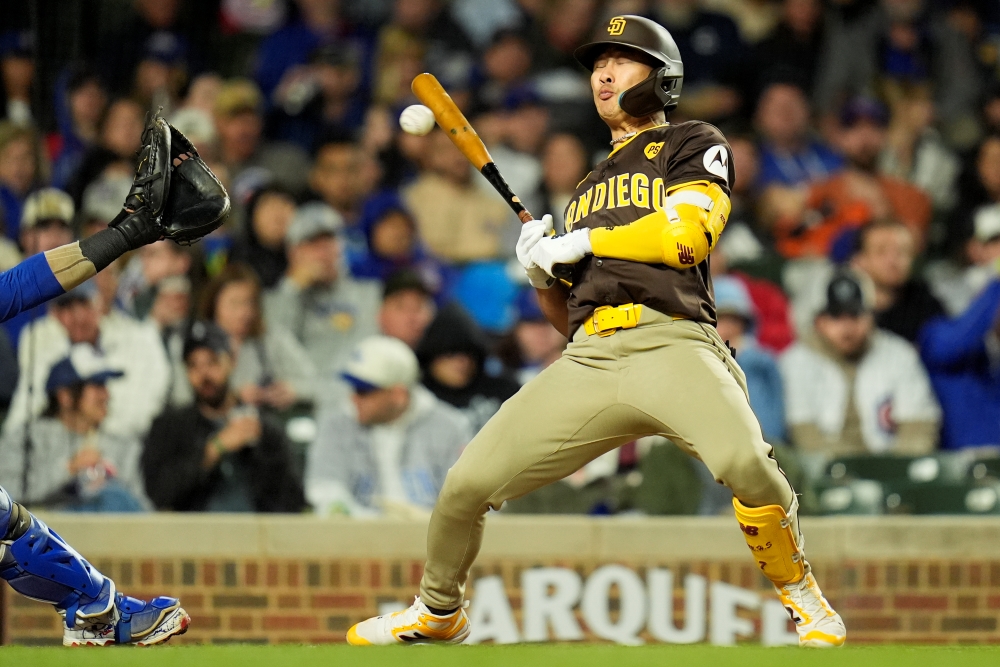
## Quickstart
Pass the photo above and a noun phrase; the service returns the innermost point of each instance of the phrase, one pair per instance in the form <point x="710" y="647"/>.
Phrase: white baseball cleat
<point x="818" y="625"/>
<point x="414" y="625"/>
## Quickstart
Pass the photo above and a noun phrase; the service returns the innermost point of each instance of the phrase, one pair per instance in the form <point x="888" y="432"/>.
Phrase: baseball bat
<point x="449" y="117"/>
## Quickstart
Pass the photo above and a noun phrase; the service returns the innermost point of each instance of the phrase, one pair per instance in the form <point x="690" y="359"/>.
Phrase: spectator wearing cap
<point x="885" y="251"/>
<point x="958" y="285"/>
<point x="250" y="160"/>
<point x="407" y="308"/>
<point x="458" y="220"/>
<point x="162" y="70"/>
<point x="453" y="355"/>
<point x="851" y="388"/>
<point x="857" y="195"/>
<point x="77" y="317"/>
<point x="102" y="201"/>
<point x="736" y="323"/>
<point x="326" y="309"/>
<point x="70" y="460"/>
<point x="272" y="370"/>
<point x="961" y="352"/>
<point x="388" y="449"/>
<point x="114" y="152"/>
<point x="217" y="455"/>
<point x="80" y="100"/>
<point x="532" y="343"/>
<point x="790" y="155"/>
<point x="45" y="225"/>
<point x="46" y="221"/>
<point x="392" y="243"/>
<point x="262" y="245"/>
<point x="20" y="172"/>
<point x="324" y="98"/>
<point x="18" y="65"/>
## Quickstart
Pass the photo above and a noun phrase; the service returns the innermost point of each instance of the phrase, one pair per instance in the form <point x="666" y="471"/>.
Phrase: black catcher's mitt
<point x="152" y="175"/>
<point x="197" y="203"/>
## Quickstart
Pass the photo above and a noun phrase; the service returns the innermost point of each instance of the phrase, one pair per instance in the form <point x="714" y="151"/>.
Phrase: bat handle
<point x="493" y="175"/>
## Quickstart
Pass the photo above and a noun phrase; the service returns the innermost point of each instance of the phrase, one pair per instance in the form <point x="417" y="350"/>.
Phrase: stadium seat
<point x="853" y="497"/>
<point x="942" y="498"/>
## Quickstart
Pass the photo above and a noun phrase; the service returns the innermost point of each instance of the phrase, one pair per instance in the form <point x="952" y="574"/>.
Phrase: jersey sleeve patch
<point x="716" y="162"/>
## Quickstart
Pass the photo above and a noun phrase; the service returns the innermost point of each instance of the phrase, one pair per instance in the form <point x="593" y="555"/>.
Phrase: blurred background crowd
<point x="334" y="346"/>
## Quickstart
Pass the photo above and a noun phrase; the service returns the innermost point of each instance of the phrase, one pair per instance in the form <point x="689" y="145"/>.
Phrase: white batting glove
<point x="566" y="249"/>
<point x="532" y="232"/>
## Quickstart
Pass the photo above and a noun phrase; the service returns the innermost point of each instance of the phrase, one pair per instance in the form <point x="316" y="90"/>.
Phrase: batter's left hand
<point x="566" y="249"/>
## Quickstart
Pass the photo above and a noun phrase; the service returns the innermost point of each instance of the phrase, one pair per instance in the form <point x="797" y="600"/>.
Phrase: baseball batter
<point x="644" y="357"/>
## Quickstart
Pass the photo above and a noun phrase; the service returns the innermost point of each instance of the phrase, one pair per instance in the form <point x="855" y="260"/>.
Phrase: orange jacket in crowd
<point x="847" y="201"/>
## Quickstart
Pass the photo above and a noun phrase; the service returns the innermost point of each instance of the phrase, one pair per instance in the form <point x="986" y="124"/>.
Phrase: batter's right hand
<point x="531" y="233"/>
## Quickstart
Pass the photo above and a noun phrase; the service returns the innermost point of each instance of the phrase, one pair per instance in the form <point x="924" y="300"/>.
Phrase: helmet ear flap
<point x="651" y="94"/>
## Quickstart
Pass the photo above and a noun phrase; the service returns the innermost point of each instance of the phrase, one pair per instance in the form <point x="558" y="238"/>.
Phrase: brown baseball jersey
<point x="630" y="184"/>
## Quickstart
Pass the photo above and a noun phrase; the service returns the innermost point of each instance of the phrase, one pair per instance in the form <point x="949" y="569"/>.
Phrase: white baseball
<point x="416" y="119"/>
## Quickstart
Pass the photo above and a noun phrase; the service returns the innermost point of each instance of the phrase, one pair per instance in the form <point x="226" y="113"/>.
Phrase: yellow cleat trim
<point x="828" y="639"/>
<point x="354" y="639"/>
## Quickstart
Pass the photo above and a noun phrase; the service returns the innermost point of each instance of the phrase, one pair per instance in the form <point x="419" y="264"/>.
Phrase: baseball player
<point x="644" y="357"/>
<point x="174" y="195"/>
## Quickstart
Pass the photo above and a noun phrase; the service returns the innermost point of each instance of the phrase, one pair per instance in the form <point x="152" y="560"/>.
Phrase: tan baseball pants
<point x="664" y="377"/>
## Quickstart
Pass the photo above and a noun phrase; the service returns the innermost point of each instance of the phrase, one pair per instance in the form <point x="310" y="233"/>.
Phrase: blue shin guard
<point x="38" y="564"/>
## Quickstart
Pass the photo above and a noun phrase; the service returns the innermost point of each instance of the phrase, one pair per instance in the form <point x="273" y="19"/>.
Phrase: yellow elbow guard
<point x="681" y="235"/>
<point x="697" y="213"/>
<point x="768" y="532"/>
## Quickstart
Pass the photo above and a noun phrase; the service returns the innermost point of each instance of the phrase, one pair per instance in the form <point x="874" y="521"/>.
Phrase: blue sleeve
<point x="27" y="285"/>
<point x="944" y="342"/>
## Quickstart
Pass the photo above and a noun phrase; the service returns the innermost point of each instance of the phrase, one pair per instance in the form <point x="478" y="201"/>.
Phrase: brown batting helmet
<point x="662" y="88"/>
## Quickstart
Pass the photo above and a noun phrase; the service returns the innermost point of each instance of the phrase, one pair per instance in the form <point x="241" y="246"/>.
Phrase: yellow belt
<point x="606" y="320"/>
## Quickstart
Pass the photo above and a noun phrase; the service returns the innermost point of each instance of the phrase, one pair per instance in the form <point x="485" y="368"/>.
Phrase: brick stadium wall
<point x="273" y="587"/>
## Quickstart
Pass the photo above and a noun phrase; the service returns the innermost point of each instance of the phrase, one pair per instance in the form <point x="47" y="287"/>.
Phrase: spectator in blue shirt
<point x="789" y="155"/>
<point x="962" y="354"/>
<point x="736" y="318"/>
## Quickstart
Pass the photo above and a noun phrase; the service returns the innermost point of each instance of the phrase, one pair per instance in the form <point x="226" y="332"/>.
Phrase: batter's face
<point x="615" y="71"/>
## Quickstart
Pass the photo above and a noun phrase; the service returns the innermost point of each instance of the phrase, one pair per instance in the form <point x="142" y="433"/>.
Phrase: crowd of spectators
<point x="359" y="317"/>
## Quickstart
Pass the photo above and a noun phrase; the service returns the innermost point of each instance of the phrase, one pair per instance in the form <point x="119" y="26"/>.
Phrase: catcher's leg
<point x="558" y="422"/>
<point x="39" y="564"/>
<point x="703" y="407"/>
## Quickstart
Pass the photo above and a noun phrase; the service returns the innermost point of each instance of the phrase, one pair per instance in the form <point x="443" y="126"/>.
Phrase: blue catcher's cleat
<point x="132" y="621"/>
<point x="40" y="565"/>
